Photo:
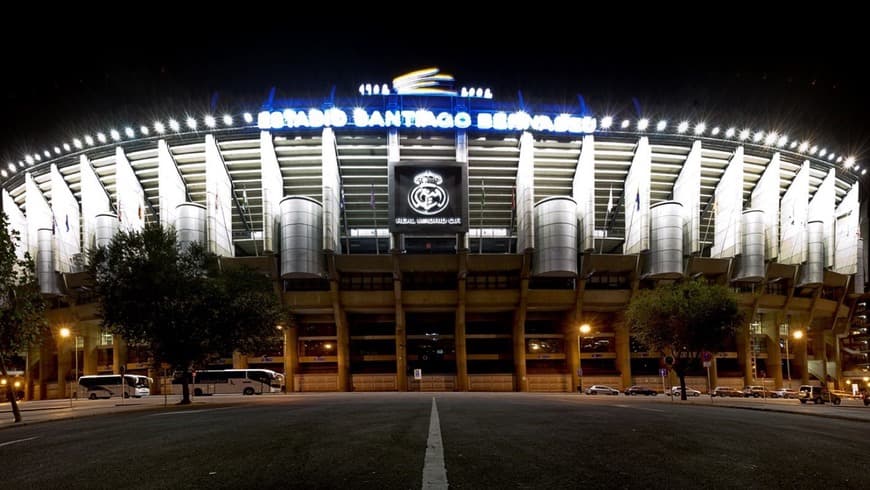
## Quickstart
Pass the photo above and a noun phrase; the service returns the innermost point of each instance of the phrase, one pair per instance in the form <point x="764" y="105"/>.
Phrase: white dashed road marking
<point x="434" y="472"/>
<point x="641" y="408"/>
<point x="9" y="443"/>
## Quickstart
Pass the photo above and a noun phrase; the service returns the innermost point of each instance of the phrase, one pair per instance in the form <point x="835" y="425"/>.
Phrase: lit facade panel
<point x="687" y="191"/>
<point x="272" y="192"/>
<point x="38" y="213"/>
<point x="129" y="197"/>
<point x="219" y="201"/>
<point x="765" y="197"/>
<point x="793" y="219"/>
<point x="728" y="209"/>
<point x="583" y="191"/>
<point x="17" y="223"/>
<point x="847" y="234"/>
<point x="171" y="189"/>
<point x="821" y="208"/>
<point x="65" y="209"/>
<point x="636" y="200"/>
<point x="526" y="194"/>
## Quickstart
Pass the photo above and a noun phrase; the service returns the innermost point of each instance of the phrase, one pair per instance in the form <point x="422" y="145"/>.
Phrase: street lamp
<point x="65" y="332"/>
<point x="584" y="329"/>
<point x="797" y="334"/>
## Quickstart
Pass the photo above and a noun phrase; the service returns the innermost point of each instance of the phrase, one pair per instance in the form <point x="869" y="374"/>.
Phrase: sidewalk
<point x="48" y="410"/>
<point x="853" y="410"/>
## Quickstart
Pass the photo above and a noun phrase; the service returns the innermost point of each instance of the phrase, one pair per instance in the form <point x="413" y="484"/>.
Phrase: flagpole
<point x="375" y="220"/>
<point x="606" y="216"/>
<point x="482" y="204"/>
<point x="511" y="227"/>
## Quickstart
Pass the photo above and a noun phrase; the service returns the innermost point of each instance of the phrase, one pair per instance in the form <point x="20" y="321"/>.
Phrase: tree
<point x="684" y="319"/>
<point x="177" y="301"/>
<point x="22" y="321"/>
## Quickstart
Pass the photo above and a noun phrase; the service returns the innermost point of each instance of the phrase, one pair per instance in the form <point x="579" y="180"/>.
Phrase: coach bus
<point x="234" y="382"/>
<point x="109" y="385"/>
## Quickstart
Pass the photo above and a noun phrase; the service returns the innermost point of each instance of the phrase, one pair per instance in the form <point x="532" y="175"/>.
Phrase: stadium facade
<point x="428" y="238"/>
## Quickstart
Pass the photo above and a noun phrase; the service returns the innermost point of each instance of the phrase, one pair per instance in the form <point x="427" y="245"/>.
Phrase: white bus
<point x="235" y="382"/>
<point x="109" y="385"/>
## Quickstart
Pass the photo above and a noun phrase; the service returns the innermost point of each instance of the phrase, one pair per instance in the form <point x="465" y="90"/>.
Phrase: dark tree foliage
<point x="684" y="319"/>
<point x="177" y="301"/>
<point x="22" y="320"/>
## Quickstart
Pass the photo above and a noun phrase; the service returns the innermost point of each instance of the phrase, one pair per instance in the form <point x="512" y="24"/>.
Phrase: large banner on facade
<point x="428" y="197"/>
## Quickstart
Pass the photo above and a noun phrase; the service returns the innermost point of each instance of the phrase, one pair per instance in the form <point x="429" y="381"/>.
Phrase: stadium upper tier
<point x="240" y="168"/>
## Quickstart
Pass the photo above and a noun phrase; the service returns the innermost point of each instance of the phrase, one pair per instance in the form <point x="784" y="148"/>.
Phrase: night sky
<point x="89" y="81"/>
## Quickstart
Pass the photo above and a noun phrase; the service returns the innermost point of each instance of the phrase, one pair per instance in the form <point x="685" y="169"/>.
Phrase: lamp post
<point x="798" y="334"/>
<point x="65" y="332"/>
<point x="584" y="329"/>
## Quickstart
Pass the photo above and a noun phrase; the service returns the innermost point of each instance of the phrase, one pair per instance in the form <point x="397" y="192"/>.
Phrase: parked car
<point x="783" y="393"/>
<point x="601" y="390"/>
<point x="818" y="394"/>
<point x="675" y="391"/>
<point x="755" y="391"/>
<point x="727" y="391"/>
<point x="640" y="390"/>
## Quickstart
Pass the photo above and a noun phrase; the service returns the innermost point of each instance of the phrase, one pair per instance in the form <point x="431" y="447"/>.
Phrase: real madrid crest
<point x="428" y="197"/>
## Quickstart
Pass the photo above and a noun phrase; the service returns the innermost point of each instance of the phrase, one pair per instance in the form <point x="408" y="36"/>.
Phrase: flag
<point x="637" y="200"/>
<point x="610" y="199"/>
<point x="372" y="197"/>
<point x="483" y="189"/>
<point x="341" y="200"/>
<point x="67" y="223"/>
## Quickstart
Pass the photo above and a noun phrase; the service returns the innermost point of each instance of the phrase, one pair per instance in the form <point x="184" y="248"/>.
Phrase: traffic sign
<point x="706" y="356"/>
<point x="418" y="374"/>
<point x="663" y="372"/>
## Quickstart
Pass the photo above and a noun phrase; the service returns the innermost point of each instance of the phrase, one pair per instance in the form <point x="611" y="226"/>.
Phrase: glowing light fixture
<point x="248" y="117"/>
<point x="191" y="123"/>
<point x="606" y="122"/>
<point x="228" y="120"/>
<point x="642" y="124"/>
<point x="209" y="121"/>
<point x="115" y="134"/>
<point x="700" y="128"/>
<point x="683" y="127"/>
<point x="661" y="125"/>
<point x="729" y="133"/>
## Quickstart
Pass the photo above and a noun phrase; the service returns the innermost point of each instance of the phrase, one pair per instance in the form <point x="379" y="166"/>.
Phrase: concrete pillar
<point x="820" y="353"/>
<point x="744" y="354"/>
<point x="119" y="354"/>
<point x="240" y="361"/>
<point x="459" y="334"/>
<point x="46" y="353"/>
<point x="64" y="364"/>
<point x="800" y="358"/>
<point x="401" y="331"/>
<point x="342" y="338"/>
<point x="623" y="353"/>
<point x="342" y="331"/>
<point x="572" y="342"/>
<point x="519" y="337"/>
<point x="291" y="356"/>
<point x="714" y="373"/>
<point x="774" y="353"/>
<point x="521" y="382"/>
<point x="91" y="335"/>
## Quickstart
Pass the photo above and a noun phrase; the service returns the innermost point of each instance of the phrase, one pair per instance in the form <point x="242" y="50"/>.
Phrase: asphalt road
<point x="490" y="440"/>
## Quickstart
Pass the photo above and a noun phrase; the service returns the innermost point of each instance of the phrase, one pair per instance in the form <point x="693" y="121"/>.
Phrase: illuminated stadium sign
<point x="424" y="118"/>
<point x="428" y="197"/>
